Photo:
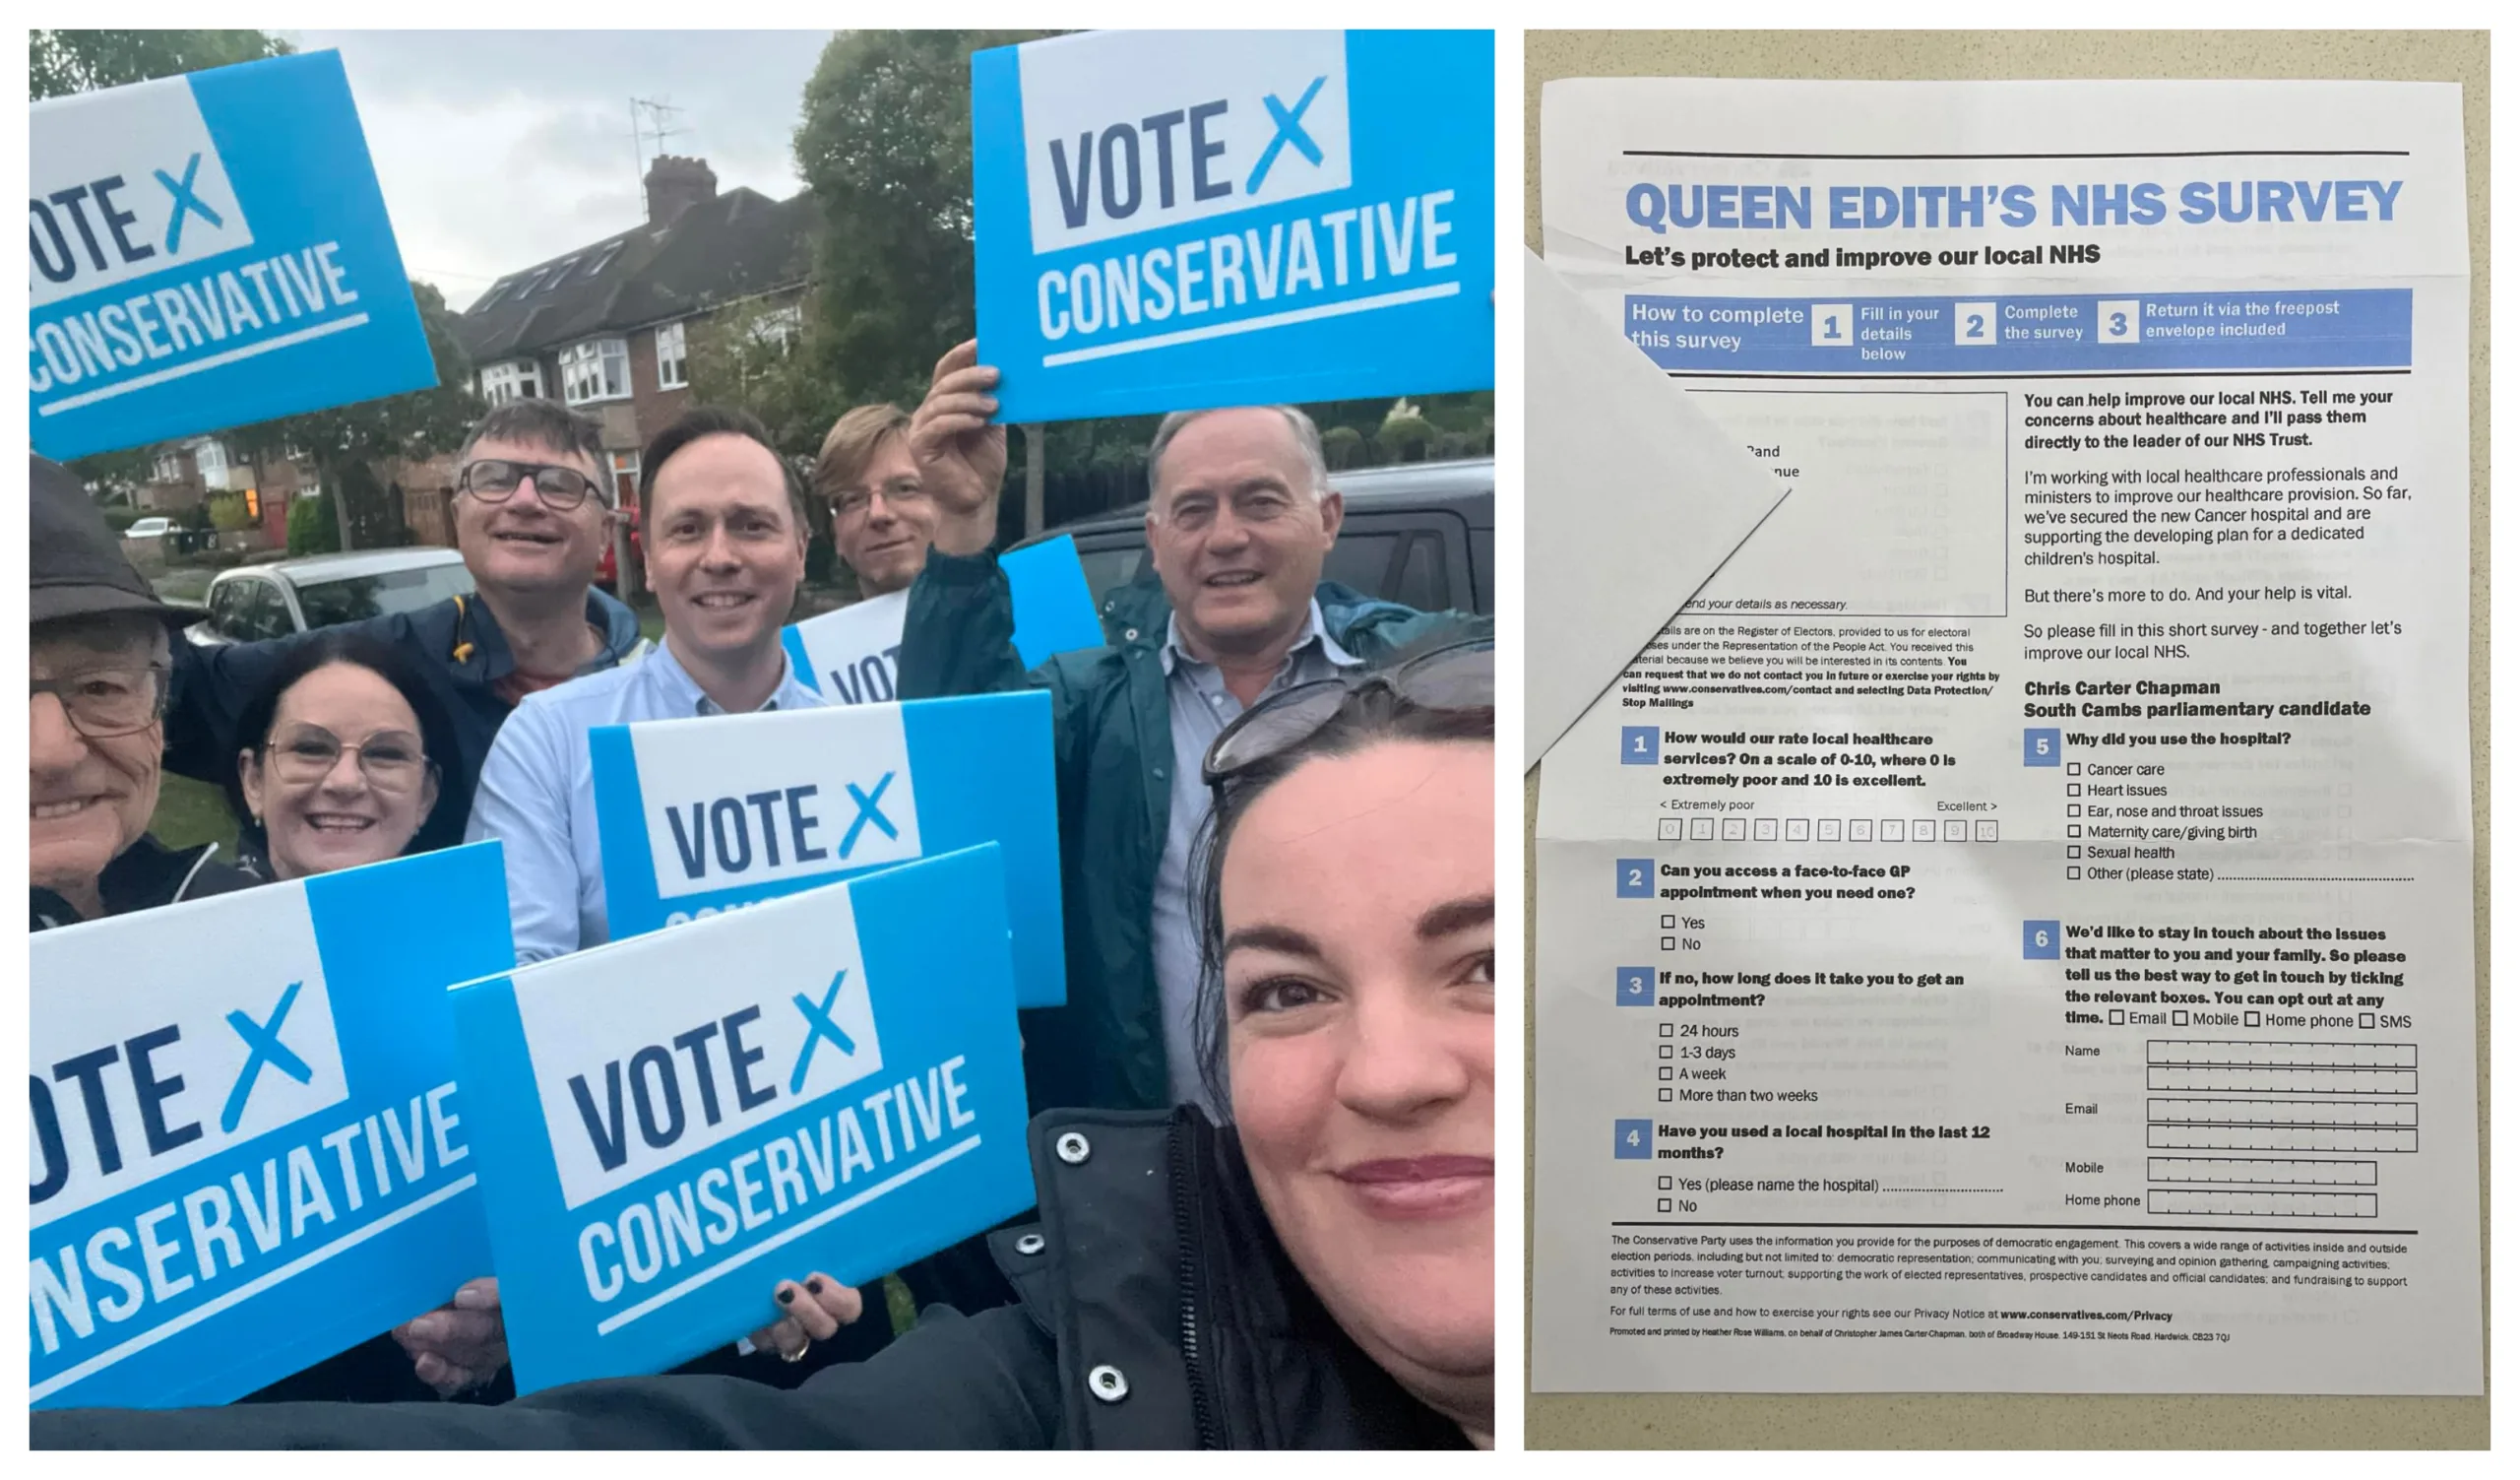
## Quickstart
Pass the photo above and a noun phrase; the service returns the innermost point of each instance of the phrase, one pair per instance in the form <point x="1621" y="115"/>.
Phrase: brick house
<point x="187" y="473"/>
<point x="607" y="327"/>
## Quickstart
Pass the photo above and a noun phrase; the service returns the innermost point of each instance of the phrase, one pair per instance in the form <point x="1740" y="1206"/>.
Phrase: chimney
<point x="675" y="185"/>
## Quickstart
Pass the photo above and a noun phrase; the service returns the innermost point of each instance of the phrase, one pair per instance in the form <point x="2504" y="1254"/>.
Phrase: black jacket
<point x="456" y="643"/>
<point x="1157" y="1311"/>
<point x="144" y="876"/>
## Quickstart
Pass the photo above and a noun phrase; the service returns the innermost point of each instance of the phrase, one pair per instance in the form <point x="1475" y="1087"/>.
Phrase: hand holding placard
<point x="961" y="456"/>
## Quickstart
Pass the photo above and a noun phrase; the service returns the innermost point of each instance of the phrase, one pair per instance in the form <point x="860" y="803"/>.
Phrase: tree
<point x="62" y="62"/>
<point x="343" y="441"/>
<point x="885" y="143"/>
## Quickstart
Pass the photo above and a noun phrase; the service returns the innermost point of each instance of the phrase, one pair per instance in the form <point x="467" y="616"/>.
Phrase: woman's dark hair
<point x="1373" y="713"/>
<point x="444" y="825"/>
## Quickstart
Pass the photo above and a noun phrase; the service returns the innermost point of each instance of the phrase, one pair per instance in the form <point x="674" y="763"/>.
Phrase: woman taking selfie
<point x="1319" y="1272"/>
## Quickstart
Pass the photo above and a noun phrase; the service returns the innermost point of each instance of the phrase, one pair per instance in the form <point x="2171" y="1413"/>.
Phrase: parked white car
<point x="150" y="528"/>
<point x="256" y="602"/>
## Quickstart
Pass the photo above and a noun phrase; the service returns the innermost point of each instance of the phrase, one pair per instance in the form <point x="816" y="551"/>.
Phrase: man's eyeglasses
<point x="494" y="481"/>
<point x="1461" y="676"/>
<point x="850" y="503"/>
<point x="104" y="702"/>
<point x="392" y="761"/>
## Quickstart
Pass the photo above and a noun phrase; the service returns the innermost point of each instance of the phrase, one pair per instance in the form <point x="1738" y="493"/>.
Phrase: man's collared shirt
<point x="1202" y="707"/>
<point x="537" y="794"/>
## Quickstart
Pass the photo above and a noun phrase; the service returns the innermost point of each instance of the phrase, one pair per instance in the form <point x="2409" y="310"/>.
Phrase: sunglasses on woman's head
<point x="1459" y="677"/>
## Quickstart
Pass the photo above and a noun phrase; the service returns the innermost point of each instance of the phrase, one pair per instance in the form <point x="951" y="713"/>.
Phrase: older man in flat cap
<point x="99" y="661"/>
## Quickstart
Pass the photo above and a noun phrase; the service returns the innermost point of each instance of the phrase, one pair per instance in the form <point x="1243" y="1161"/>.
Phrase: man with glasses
<point x="1241" y="519"/>
<point x="872" y="471"/>
<point x="533" y="512"/>
<point x="98" y="666"/>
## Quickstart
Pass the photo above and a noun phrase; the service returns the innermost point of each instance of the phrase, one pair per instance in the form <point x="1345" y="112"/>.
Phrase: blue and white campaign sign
<point x="1173" y="219"/>
<point x="247" y="1152"/>
<point x="673" y="1124"/>
<point x="853" y="655"/>
<point x="700" y="816"/>
<point x="208" y="252"/>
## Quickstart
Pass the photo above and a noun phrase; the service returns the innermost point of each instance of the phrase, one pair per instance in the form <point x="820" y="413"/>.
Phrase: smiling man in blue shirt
<point x="725" y="550"/>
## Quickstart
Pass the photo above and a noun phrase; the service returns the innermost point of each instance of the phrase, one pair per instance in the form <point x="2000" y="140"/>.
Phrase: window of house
<point x="210" y="457"/>
<point x="779" y="325"/>
<point x="595" y="369"/>
<point x="603" y="259"/>
<point x="672" y="369"/>
<point x="170" y="468"/>
<point x="559" y="273"/>
<point x="497" y="290"/>
<point x="509" y="379"/>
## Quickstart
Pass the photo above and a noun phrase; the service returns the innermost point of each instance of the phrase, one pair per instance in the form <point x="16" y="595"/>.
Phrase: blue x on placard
<point x="819" y="1026"/>
<point x="1289" y="131"/>
<point x="867" y="811"/>
<point x="185" y="202"/>
<point x="263" y="1045"/>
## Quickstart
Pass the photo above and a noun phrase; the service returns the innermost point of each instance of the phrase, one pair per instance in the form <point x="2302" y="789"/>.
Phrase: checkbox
<point x="1663" y="1094"/>
<point x="2073" y="810"/>
<point x="1662" y="1204"/>
<point x="2368" y="1021"/>
<point x="1666" y="1052"/>
<point x="1670" y="921"/>
<point x="1671" y="942"/>
<point x="2345" y="789"/>
<point x="2118" y="1018"/>
<point x="2178" y="1020"/>
<point x="2249" y="1019"/>
<point x="1666" y="1073"/>
<point x="2073" y="832"/>
<point x="2073" y="873"/>
<point x="1666" y="1030"/>
<point x="2074" y="789"/>
<point x="2073" y="850"/>
<point x="1661" y="1184"/>
<point x="2073" y="768"/>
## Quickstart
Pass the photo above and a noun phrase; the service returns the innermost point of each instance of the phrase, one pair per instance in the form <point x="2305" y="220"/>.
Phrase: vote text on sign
<point x="699" y="817"/>
<point x="853" y="655"/>
<point x="672" y="1124"/>
<point x="248" y="1151"/>
<point x="209" y="251"/>
<point x="1174" y="220"/>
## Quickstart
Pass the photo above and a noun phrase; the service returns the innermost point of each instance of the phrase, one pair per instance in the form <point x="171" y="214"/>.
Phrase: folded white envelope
<point x="1632" y="499"/>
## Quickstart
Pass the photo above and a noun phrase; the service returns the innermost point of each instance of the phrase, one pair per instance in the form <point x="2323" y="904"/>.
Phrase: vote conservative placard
<point x="208" y="252"/>
<point x="853" y="655"/>
<point x="673" y="1124"/>
<point x="699" y="817"/>
<point x="248" y="1153"/>
<point x="1173" y="219"/>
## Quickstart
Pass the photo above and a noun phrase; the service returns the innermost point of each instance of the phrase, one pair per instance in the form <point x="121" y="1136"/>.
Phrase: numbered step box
<point x="1666" y="830"/>
<point x="1832" y="829"/>
<point x="2042" y="748"/>
<point x="1797" y="829"/>
<point x="1701" y="829"/>
<point x="1859" y="829"/>
<point x="1636" y="745"/>
<point x="2119" y="321"/>
<point x="1636" y="986"/>
<point x="1636" y="878"/>
<point x="2042" y="941"/>
<point x="1986" y="829"/>
<point x="1894" y="830"/>
<point x="1635" y="1140"/>
<point x="1833" y="325"/>
<point x="1973" y="323"/>
<point x="1737" y="829"/>
<point x="1955" y="829"/>
<point x="1763" y="830"/>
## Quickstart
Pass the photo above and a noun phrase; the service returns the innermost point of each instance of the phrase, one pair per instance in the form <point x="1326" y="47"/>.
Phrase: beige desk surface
<point x="2047" y="1421"/>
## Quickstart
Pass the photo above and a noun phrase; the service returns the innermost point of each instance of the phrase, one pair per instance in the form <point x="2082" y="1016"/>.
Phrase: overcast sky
<point x="500" y="148"/>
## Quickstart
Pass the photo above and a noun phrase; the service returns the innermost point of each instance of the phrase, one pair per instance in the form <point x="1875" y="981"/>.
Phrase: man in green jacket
<point x="1241" y="515"/>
